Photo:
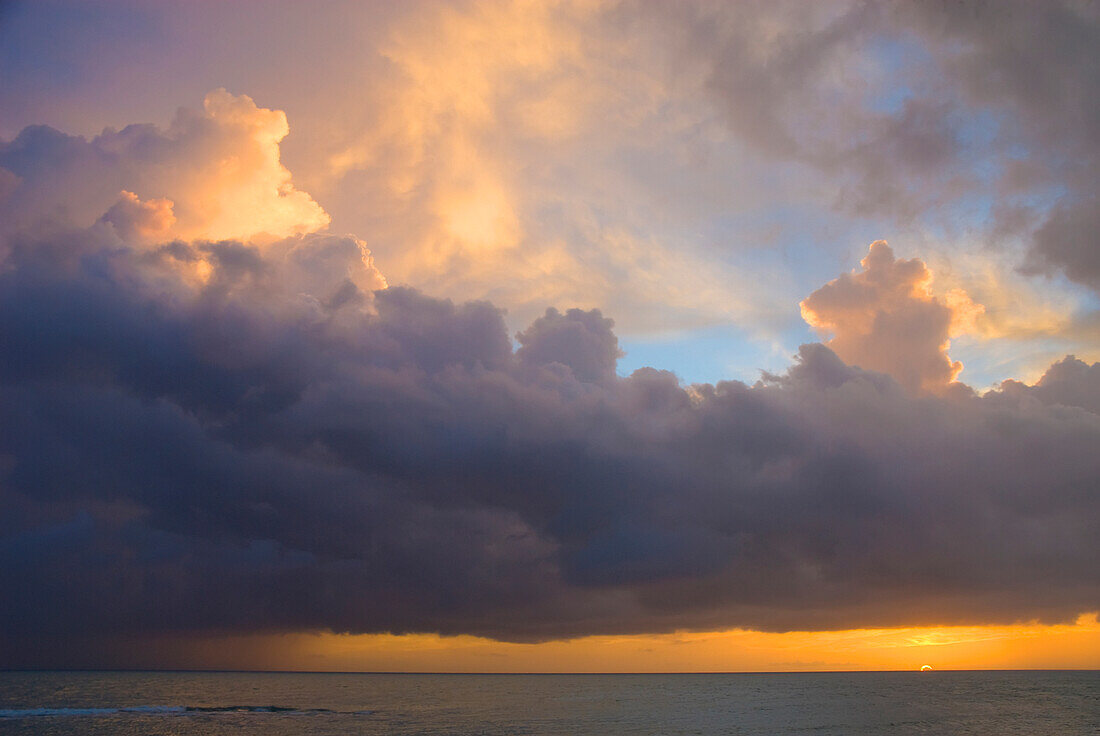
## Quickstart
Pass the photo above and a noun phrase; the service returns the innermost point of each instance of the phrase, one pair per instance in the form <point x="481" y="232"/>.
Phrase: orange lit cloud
<point x="886" y="318"/>
<point x="213" y="175"/>
<point x="140" y="222"/>
<point x="1015" y="307"/>
<point x="246" y="190"/>
<point x="458" y="71"/>
<point x="500" y="165"/>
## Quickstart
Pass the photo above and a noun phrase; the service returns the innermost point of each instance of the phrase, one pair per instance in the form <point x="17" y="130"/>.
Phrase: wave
<point x="172" y="710"/>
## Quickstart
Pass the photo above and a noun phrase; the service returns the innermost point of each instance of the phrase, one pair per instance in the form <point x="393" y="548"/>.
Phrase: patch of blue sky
<point x="806" y="246"/>
<point x="889" y="101"/>
<point x="979" y="129"/>
<point x="893" y="57"/>
<point x="711" y="354"/>
<point x="812" y="238"/>
<point x="1088" y="301"/>
<point x="964" y="213"/>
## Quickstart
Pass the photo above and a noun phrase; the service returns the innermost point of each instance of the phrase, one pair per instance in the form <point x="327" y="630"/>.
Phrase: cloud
<point x="1034" y="67"/>
<point x="885" y="318"/>
<point x="274" y="447"/>
<point x="973" y="121"/>
<point x="1069" y="382"/>
<point x="511" y="152"/>
<point x="539" y="154"/>
<point x="223" y="421"/>
<point x="829" y="89"/>
<point x="625" y="127"/>
<point x="1067" y="240"/>
<point x="580" y="341"/>
<point x="136" y="222"/>
<point x="213" y="174"/>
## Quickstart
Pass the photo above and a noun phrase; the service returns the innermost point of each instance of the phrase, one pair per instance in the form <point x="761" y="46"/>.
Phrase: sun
<point x="926" y="668"/>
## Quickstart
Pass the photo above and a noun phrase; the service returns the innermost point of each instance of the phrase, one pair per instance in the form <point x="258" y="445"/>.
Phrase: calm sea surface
<point x="181" y="703"/>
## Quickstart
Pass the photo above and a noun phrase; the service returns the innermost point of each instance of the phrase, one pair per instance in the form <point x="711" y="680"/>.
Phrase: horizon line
<point x="4" y="670"/>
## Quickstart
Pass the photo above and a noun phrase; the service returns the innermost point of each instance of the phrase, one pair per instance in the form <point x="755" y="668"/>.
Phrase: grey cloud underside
<point x="242" y="457"/>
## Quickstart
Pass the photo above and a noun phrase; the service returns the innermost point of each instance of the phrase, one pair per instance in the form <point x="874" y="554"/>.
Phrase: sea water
<point x="273" y="704"/>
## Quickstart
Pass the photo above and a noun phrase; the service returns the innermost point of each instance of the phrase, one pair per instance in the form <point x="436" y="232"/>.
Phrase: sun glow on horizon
<point x="1016" y="646"/>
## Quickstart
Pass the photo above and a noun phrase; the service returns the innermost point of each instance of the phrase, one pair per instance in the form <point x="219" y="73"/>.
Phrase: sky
<point x="550" y="336"/>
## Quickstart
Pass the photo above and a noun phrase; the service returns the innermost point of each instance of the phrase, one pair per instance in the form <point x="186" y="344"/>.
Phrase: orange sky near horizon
<point x="1017" y="646"/>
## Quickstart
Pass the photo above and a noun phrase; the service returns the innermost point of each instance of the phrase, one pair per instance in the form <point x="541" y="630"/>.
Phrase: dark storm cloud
<point x="579" y="341"/>
<point x="277" y="449"/>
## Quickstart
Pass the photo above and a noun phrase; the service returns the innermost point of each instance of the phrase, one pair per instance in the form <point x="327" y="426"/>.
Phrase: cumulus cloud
<point x="580" y="341"/>
<point x="274" y="447"/>
<point x="213" y="174"/>
<point x="205" y="433"/>
<point x="511" y="152"/>
<point x="140" y="222"/>
<point x="885" y="318"/>
<point x="1069" y="382"/>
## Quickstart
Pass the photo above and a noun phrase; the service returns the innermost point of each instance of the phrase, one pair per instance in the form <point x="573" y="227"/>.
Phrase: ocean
<point x="274" y="704"/>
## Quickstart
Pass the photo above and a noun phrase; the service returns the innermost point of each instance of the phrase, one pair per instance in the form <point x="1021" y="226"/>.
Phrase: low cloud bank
<point x="232" y="454"/>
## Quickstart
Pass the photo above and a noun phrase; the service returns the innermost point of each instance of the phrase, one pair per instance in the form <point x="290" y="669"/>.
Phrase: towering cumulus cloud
<point x="213" y="174"/>
<point x="254" y="434"/>
<point x="886" y="318"/>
